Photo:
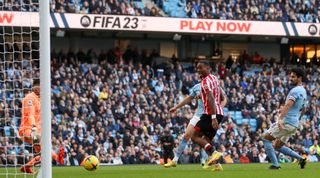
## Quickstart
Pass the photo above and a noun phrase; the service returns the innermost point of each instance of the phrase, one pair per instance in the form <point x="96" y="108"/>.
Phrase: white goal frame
<point x="45" y="87"/>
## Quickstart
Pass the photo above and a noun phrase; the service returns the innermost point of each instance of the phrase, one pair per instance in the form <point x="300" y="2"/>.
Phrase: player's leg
<point x="183" y="143"/>
<point x="204" y="156"/>
<point x="33" y="140"/>
<point x="203" y="136"/>
<point x="181" y="147"/>
<point x="215" y="156"/>
<point x="280" y="146"/>
<point x="60" y="156"/>
<point x="186" y="138"/>
<point x="202" y="127"/>
<point x="27" y="137"/>
<point x="197" y="138"/>
<point x="268" y="137"/>
<point x="165" y="156"/>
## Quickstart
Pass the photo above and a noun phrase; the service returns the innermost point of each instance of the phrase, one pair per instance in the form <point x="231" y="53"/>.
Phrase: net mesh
<point x="19" y="66"/>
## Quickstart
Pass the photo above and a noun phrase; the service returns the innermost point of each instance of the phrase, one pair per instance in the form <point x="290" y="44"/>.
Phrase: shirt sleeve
<point x="294" y="95"/>
<point x="28" y="110"/>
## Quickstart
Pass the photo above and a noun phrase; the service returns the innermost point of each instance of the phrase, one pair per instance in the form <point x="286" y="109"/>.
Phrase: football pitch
<point x="184" y="171"/>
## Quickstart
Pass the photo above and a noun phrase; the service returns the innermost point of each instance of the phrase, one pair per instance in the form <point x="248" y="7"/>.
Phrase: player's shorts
<point x="284" y="134"/>
<point x="194" y="120"/>
<point x="204" y="126"/>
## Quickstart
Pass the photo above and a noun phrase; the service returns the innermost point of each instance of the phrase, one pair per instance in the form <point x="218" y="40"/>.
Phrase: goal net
<point x="19" y="68"/>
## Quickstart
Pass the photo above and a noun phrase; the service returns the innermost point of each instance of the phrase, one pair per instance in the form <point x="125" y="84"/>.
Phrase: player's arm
<point x="223" y="97"/>
<point x="284" y="112"/>
<point x="185" y="101"/>
<point x="303" y="111"/>
<point x="212" y="105"/>
<point x="28" y="111"/>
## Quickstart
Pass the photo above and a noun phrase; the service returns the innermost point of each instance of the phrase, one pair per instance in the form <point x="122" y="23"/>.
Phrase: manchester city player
<point x="288" y="122"/>
<point x="194" y="94"/>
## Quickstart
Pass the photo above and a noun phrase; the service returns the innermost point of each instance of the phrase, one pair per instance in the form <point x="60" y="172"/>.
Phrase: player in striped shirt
<point x="205" y="129"/>
<point x="288" y="122"/>
<point x="195" y="93"/>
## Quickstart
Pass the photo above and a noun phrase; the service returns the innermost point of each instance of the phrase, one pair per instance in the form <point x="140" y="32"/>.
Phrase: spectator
<point x="234" y="10"/>
<point x="253" y="156"/>
<point x="315" y="149"/>
<point x="262" y="156"/>
<point x="124" y="115"/>
<point x="185" y="157"/>
<point x="283" y="159"/>
<point x="244" y="158"/>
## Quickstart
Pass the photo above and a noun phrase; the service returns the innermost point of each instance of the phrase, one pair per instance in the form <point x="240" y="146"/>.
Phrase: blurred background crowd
<point x="115" y="105"/>
<point x="266" y="10"/>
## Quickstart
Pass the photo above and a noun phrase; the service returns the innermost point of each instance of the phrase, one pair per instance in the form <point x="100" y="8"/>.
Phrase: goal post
<point x="45" y="86"/>
<point x="24" y="44"/>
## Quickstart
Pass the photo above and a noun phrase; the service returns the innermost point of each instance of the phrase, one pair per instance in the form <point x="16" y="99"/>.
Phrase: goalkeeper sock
<point x="180" y="149"/>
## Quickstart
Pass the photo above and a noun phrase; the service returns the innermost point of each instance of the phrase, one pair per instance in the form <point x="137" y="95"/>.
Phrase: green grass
<point x="184" y="171"/>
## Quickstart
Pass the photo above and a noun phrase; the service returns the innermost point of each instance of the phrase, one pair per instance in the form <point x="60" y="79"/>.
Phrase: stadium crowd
<point x="115" y="105"/>
<point x="266" y="10"/>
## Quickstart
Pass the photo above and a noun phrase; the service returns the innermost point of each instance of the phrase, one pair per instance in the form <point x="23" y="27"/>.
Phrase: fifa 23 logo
<point x="109" y="22"/>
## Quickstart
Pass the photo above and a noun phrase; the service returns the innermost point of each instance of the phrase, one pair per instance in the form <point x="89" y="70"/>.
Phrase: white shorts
<point x="284" y="134"/>
<point x="195" y="119"/>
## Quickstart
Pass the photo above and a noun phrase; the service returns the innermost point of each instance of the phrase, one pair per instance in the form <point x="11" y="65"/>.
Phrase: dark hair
<point x="204" y="63"/>
<point x="36" y="82"/>
<point x="299" y="72"/>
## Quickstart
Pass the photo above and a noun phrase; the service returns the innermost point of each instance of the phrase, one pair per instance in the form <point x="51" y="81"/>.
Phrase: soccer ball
<point x="91" y="163"/>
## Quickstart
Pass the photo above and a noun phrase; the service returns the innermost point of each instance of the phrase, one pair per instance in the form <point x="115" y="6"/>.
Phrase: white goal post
<point x="24" y="43"/>
<point x="45" y="86"/>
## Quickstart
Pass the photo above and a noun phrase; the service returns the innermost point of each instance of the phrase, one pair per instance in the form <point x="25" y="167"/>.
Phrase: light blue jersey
<point x="299" y="95"/>
<point x="195" y="91"/>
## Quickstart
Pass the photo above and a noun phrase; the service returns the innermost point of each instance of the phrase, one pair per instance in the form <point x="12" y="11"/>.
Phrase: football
<point x="91" y="163"/>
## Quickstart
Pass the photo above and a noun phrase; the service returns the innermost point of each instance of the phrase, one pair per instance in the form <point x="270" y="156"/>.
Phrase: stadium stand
<point x="266" y="10"/>
<point x="114" y="106"/>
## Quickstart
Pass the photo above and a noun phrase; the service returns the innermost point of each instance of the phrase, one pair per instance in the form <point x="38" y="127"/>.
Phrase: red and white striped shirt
<point x="211" y="84"/>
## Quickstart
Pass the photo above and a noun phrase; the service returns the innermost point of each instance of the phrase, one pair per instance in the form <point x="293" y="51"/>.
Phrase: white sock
<point x="175" y="159"/>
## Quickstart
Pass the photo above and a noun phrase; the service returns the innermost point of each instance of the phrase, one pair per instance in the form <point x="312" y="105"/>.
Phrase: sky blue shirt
<point x="299" y="95"/>
<point x="194" y="92"/>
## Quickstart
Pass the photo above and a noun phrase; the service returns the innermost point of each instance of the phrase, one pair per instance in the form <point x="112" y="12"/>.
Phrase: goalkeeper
<point x="30" y="128"/>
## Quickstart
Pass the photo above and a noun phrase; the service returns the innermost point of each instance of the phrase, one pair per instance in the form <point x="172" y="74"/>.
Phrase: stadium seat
<point x="238" y="117"/>
<point x="225" y="110"/>
<point x="58" y="116"/>
<point x="253" y="124"/>
<point x="245" y="121"/>
<point x="7" y="131"/>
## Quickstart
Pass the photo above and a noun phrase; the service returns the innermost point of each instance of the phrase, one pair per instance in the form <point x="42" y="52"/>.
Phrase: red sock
<point x="209" y="149"/>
